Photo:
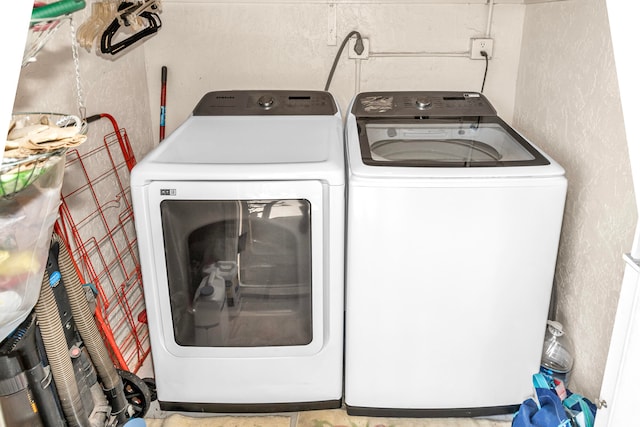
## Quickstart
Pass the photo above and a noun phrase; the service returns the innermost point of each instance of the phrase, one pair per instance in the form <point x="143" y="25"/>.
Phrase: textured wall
<point x="115" y="87"/>
<point x="268" y="45"/>
<point x="568" y="102"/>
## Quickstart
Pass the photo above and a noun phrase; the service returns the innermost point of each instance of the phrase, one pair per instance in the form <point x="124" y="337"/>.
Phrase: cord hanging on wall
<point x="486" y="68"/>
<point x="359" y="48"/>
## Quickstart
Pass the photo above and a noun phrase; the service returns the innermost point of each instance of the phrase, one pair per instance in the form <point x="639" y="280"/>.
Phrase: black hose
<point x="335" y="60"/>
<point x="55" y="345"/>
<point x="486" y="68"/>
<point x="83" y="318"/>
<point x="23" y="342"/>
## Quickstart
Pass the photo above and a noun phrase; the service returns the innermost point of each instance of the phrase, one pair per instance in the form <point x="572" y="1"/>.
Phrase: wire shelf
<point x="17" y="175"/>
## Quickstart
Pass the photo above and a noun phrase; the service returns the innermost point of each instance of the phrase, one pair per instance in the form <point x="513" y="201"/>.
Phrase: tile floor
<point x="321" y="418"/>
<point x="156" y="417"/>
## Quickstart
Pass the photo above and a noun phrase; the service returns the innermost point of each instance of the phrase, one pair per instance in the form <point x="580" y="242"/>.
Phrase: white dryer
<point x="240" y="221"/>
<point x="453" y="223"/>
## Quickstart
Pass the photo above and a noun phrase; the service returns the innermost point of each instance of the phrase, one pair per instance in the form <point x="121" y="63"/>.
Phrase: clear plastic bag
<point x="27" y="218"/>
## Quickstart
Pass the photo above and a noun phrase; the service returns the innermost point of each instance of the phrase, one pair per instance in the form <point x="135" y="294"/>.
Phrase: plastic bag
<point x="553" y="406"/>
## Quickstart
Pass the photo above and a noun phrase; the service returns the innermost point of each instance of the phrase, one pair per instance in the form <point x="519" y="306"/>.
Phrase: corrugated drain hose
<point x="55" y="345"/>
<point x="111" y="380"/>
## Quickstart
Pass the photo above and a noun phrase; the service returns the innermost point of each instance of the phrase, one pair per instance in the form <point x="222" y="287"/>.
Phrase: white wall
<point x="623" y="29"/>
<point x="118" y="88"/>
<point x="284" y="45"/>
<point x="568" y="102"/>
<point x="620" y="385"/>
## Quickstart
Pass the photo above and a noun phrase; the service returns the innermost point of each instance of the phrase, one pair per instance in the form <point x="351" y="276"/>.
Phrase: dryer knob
<point x="266" y="101"/>
<point x="423" y="103"/>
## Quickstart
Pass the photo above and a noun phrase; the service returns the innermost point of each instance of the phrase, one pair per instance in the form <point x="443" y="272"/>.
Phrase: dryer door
<point x="237" y="265"/>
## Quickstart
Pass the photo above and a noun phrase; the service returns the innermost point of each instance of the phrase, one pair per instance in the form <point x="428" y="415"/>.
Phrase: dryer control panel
<point x="266" y="103"/>
<point x="421" y="104"/>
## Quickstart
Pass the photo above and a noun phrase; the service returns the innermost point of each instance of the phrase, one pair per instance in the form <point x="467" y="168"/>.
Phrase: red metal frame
<point x="96" y="219"/>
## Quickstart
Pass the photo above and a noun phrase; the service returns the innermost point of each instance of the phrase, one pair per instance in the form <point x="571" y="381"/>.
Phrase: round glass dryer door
<point x="461" y="142"/>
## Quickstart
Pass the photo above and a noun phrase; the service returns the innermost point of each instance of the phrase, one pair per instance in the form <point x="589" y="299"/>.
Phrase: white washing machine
<point x="453" y="223"/>
<point x="240" y="221"/>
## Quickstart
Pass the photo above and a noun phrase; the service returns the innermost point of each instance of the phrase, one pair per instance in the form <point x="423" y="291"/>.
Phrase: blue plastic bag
<point x="547" y="409"/>
<point x="582" y="410"/>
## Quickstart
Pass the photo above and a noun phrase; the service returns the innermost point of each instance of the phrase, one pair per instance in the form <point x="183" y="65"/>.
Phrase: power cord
<point x="486" y="67"/>
<point x="358" y="48"/>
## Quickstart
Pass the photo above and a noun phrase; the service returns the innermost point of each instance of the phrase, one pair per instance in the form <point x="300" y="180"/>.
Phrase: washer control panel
<point x="259" y="103"/>
<point x="421" y="104"/>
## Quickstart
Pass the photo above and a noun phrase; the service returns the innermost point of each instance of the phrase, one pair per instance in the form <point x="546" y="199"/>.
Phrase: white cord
<point x="460" y="54"/>
<point x="487" y="33"/>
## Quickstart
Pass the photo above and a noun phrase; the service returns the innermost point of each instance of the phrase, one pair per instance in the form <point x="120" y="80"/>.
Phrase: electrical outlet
<point x="479" y="45"/>
<point x="352" y="52"/>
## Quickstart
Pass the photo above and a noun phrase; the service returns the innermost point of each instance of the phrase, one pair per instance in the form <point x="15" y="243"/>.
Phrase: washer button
<point x="266" y="101"/>
<point x="423" y="103"/>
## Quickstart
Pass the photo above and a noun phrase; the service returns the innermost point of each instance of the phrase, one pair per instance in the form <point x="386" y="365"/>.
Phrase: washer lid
<point x="444" y="142"/>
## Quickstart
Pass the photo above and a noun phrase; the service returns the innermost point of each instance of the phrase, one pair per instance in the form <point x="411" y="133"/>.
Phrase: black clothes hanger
<point x="130" y="15"/>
